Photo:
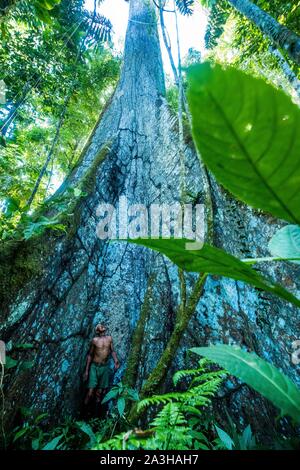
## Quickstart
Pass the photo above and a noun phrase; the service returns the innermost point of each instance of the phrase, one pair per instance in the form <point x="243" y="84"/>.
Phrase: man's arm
<point x="114" y="355"/>
<point x="89" y="361"/>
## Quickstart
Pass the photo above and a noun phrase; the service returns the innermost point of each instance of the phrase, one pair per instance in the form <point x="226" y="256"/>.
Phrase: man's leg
<point x="89" y="395"/>
<point x="100" y="394"/>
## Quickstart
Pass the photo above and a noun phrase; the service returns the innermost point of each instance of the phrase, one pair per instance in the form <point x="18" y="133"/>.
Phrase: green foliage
<point x="247" y="47"/>
<point x="71" y="434"/>
<point x="185" y="6"/>
<point x="122" y="396"/>
<point x="235" y="441"/>
<point x="176" y="424"/>
<point x="30" y="435"/>
<point x="180" y="423"/>
<point x="70" y="60"/>
<point x="286" y="243"/>
<point x="258" y="374"/>
<point x="250" y="41"/>
<point x="21" y="364"/>
<point x="26" y="227"/>
<point x="217" y="18"/>
<point x="10" y="362"/>
<point x="38" y="227"/>
<point x="250" y="143"/>
<point x="52" y="445"/>
<point x="24" y="346"/>
<point x="39" y="8"/>
<point x="171" y="430"/>
<point x="203" y="386"/>
<point x="212" y="260"/>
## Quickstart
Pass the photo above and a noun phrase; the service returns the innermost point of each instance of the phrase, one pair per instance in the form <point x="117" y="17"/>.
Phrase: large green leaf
<point x="286" y="243"/>
<point x="121" y="405"/>
<point x="248" y="134"/>
<point x="213" y="260"/>
<point x="53" y="443"/>
<point x="10" y="362"/>
<point x="86" y="428"/>
<point x="225" y="438"/>
<point x="258" y="374"/>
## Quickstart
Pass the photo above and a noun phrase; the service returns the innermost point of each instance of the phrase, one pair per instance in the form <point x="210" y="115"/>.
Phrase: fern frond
<point x="203" y="386"/>
<point x="210" y="377"/>
<point x="170" y="415"/>
<point x="182" y="374"/>
<point x="162" y="399"/>
<point x="116" y="443"/>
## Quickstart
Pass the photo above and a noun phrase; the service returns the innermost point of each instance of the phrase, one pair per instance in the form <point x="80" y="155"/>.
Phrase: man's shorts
<point x="99" y="376"/>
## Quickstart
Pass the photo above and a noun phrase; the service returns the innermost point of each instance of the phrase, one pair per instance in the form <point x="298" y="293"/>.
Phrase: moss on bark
<point x="23" y="260"/>
<point x="131" y="373"/>
<point x="71" y="217"/>
<point x="159" y="373"/>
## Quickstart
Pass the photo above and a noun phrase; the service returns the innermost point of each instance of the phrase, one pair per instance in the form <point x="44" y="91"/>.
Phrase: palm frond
<point x="218" y="16"/>
<point x="185" y="6"/>
<point x="98" y="27"/>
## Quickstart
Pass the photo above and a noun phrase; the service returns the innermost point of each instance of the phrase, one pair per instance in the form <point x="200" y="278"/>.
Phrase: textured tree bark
<point x="78" y="280"/>
<point x="277" y="33"/>
<point x="82" y="279"/>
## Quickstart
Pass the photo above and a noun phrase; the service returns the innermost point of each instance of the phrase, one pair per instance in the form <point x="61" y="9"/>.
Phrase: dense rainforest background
<point x="208" y="337"/>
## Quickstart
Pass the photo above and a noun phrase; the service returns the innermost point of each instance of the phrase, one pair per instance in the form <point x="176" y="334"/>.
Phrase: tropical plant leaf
<point x="37" y="228"/>
<point x="213" y="260"/>
<point x="286" y="243"/>
<point x="121" y="406"/>
<point x="247" y="133"/>
<point x="10" y="206"/>
<point x="40" y="418"/>
<point x="86" y="429"/>
<point x="53" y="443"/>
<point x="35" y="444"/>
<point x="258" y="374"/>
<point x="10" y="362"/>
<point x="21" y="433"/>
<point x="24" y="346"/>
<point x="111" y="394"/>
<point x="225" y="438"/>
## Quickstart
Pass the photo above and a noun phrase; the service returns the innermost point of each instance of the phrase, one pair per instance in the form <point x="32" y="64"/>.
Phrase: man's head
<point x="100" y="329"/>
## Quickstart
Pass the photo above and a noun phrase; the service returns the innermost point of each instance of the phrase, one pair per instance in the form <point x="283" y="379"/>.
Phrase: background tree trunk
<point x="277" y="33"/>
<point x="78" y="280"/>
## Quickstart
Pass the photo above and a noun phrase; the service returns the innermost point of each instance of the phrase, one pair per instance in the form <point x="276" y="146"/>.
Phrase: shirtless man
<point x="97" y="370"/>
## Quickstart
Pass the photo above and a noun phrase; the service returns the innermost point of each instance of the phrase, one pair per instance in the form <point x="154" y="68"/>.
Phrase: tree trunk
<point x="51" y="151"/>
<point x="277" y="33"/>
<point x="286" y="69"/>
<point x="60" y="286"/>
<point x="14" y="109"/>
